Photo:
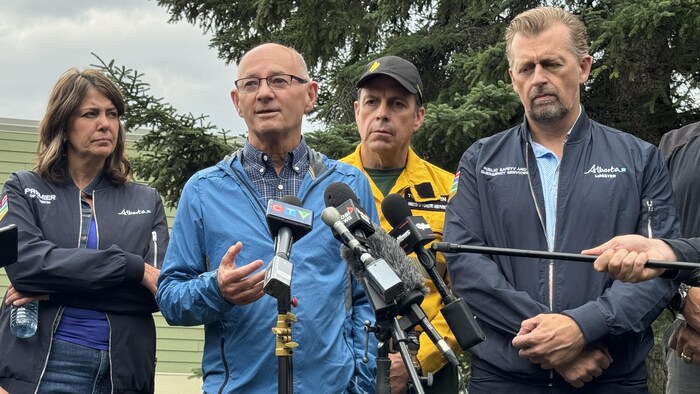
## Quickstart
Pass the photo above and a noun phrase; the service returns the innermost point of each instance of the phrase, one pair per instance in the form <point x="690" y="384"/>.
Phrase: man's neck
<point x="383" y="160"/>
<point x="553" y="135"/>
<point x="553" y="141"/>
<point x="276" y="148"/>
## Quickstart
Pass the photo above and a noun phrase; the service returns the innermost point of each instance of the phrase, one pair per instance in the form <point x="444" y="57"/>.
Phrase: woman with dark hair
<point x="90" y="246"/>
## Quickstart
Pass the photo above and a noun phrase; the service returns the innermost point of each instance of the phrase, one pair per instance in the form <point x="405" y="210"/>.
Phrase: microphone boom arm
<point x="446" y="247"/>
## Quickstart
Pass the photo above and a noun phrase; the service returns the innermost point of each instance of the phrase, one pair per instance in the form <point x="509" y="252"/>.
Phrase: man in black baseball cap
<point x="403" y="71"/>
<point x="388" y="111"/>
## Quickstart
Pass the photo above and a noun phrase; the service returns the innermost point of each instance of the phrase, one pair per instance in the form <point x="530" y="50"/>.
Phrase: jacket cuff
<point x="590" y="321"/>
<point x="134" y="268"/>
<point x="683" y="250"/>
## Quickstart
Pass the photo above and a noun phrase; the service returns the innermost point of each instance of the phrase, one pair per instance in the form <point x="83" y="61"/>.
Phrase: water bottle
<point x="24" y="319"/>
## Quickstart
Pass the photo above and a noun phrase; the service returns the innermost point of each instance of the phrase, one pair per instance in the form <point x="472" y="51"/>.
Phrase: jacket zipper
<point x="223" y="361"/>
<point x="54" y="327"/>
<point x="544" y="228"/>
<point x="550" y="269"/>
<point x="94" y="214"/>
<point x="154" y="236"/>
<point x="57" y="318"/>
<point x="109" y="354"/>
<point x="650" y="211"/>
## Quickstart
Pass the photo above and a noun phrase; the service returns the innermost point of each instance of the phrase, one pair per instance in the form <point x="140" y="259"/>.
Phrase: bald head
<point x="274" y="108"/>
<point x="271" y="51"/>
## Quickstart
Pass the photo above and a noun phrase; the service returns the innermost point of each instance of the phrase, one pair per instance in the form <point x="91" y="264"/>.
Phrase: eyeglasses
<point x="275" y="82"/>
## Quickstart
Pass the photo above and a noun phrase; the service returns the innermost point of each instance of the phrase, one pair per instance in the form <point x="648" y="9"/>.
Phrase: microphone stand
<point x="284" y="345"/>
<point x="389" y="326"/>
<point x="447" y="247"/>
<point x="277" y="283"/>
<point x="283" y="338"/>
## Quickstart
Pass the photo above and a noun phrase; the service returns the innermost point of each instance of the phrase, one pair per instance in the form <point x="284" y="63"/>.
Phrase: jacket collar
<point x="317" y="164"/>
<point x="580" y="131"/>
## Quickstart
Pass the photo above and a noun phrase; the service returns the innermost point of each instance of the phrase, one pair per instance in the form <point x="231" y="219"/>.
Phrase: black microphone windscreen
<point x="395" y="209"/>
<point x="291" y="200"/>
<point x="337" y="193"/>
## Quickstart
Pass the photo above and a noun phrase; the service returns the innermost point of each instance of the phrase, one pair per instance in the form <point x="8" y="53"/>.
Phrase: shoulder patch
<point x="455" y="186"/>
<point x="4" y="206"/>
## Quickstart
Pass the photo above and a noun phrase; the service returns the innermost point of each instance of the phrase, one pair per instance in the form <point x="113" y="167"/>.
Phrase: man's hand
<point x="15" y="298"/>
<point x="586" y="366"/>
<point x="686" y="342"/>
<point x="691" y="310"/>
<point x="551" y="340"/>
<point x="398" y="375"/>
<point x="150" y="278"/>
<point x="624" y="257"/>
<point x="239" y="286"/>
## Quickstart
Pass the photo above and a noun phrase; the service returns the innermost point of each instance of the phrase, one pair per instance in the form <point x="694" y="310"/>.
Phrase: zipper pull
<point x="650" y="211"/>
<point x="154" y="236"/>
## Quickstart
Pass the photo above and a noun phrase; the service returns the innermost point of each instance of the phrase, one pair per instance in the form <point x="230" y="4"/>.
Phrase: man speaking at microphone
<point x="388" y="111"/>
<point x="559" y="182"/>
<point x="213" y="271"/>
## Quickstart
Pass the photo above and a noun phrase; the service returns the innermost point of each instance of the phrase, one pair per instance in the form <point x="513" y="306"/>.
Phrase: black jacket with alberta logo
<point x="131" y="228"/>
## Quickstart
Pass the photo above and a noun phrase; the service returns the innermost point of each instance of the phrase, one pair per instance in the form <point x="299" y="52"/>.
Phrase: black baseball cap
<point x="403" y="71"/>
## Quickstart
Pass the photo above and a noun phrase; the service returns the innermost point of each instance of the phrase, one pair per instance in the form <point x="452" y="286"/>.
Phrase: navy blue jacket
<point x="610" y="183"/>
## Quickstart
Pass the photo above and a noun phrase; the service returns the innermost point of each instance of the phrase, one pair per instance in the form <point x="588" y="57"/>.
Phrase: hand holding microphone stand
<point x="447" y="247"/>
<point x="288" y="222"/>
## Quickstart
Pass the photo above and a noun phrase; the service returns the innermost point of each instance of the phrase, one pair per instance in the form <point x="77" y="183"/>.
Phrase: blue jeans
<point x="74" y="368"/>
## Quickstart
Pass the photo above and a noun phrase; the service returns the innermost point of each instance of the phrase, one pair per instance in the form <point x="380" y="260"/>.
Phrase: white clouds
<point x="39" y="40"/>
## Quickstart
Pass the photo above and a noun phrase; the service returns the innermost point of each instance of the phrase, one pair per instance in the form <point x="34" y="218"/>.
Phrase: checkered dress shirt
<point x="260" y="170"/>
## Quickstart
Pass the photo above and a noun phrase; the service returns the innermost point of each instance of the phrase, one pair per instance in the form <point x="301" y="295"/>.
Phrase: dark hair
<point x="64" y="101"/>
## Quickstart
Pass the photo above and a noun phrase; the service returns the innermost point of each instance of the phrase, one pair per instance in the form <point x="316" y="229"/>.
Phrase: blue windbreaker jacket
<point x="610" y="183"/>
<point x="220" y="207"/>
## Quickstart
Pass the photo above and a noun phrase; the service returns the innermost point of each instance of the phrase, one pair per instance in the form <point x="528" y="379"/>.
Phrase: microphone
<point x="377" y="271"/>
<point x="288" y="222"/>
<point x="413" y="232"/>
<point x="381" y="244"/>
<point x="340" y="195"/>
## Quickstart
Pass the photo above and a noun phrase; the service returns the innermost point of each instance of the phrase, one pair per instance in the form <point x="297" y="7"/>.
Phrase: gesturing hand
<point x="239" y="286"/>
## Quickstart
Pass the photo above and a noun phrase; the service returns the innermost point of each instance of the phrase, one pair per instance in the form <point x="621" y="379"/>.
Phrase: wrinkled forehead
<point x="270" y="59"/>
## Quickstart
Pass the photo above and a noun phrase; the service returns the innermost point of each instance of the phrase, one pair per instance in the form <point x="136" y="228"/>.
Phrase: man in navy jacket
<point x="560" y="182"/>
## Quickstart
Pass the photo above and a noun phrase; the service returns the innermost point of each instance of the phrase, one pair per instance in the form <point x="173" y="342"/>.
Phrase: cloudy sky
<point x="40" y="39"/>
